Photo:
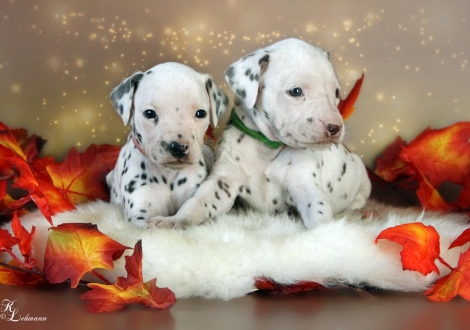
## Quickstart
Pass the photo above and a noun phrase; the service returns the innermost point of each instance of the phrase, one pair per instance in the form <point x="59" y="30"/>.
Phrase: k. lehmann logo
<point x="10" y="313"/>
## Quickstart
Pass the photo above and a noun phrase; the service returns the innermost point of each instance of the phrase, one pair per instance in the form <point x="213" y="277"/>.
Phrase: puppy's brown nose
<point x="332" y="129"/>
<point x="177" y="150"/>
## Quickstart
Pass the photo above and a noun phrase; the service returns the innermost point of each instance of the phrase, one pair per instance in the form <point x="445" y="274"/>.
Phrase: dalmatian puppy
<point x="282" y="148"/>
<point x="169" y="109"/>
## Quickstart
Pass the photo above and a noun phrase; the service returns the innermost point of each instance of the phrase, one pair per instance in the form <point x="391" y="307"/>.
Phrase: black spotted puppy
<point x="169" y="109"/>
<point x="282" y="150"/>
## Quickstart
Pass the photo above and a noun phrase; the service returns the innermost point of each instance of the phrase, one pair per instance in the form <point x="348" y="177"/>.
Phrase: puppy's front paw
<point x="366" y="213"/>
<point x="164" y="223"/>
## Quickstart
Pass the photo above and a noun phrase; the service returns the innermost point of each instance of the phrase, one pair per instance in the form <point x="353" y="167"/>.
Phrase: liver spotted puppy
<point x="169" y="109"/>
<point x="282" y="148"/>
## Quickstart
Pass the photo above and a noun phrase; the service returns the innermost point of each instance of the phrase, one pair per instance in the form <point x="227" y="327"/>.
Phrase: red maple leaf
<point x="432" y="158"/>
<point x="346" y="106"/>
<point x="82" y="177"/>
<point x="18" y="272"/>
<point x="128" y="290"/>
<point x="453" y="284"/>
<point x="268" y="285"/>
<point x="441" y="154"/>
<point x="25" y="238"/>
<point x="390" y="166"/>
<point x="74" y="249"/>
<point x="420" y="246"/>
<point x="462" y="239"/>
<point x="30" y="145"/>
<point x="7" y="241"/>
<point x="15" y="274"/>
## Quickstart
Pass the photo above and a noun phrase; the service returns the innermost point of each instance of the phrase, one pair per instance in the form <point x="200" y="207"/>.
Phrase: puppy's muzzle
<point x="177" y="150"/>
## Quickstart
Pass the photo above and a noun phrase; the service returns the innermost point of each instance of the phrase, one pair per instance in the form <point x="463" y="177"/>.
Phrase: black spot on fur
<point x="230" y="73"/>
<point x="344" y="169"/>
<point x="182" y="181"/>
<point x="240" y="138"/>
<point x="265" y="58"/>
<point x="130" y="187"/>
<point x="124" y="88"/>
<point x="163" y="179"/>
<point x="241" y="93"/>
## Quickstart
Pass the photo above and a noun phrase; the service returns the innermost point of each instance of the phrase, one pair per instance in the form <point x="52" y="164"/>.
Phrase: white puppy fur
<point x="287" y="93"/>
<point x="220" y="259"/>
<point x="169" y="108"/>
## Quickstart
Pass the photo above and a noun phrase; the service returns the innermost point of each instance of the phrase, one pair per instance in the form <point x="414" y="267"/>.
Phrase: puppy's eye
<point x="201" y="113"/>
<point x="150" y="114"/>
<point x="296" y="92"/>
<point x="337" y="93"/>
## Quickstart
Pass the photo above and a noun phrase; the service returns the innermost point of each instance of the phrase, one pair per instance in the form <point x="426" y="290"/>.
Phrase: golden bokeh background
<point x="59" y="60"/>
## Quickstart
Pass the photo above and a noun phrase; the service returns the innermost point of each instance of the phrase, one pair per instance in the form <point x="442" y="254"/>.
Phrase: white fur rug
<point x="221" y="259"/>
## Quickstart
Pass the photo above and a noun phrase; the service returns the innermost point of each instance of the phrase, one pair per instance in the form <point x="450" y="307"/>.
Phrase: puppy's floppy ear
<point x="218" y="99"/>
<point x="122" y="96"/>
<point x="243" y="76"/>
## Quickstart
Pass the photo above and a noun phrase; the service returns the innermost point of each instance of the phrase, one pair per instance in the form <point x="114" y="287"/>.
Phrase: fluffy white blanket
<point x="221" y="259"/>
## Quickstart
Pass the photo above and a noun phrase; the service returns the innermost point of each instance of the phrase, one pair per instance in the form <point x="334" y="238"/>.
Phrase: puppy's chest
<point x="333" y="172"/>
<point x="141" y="178"/>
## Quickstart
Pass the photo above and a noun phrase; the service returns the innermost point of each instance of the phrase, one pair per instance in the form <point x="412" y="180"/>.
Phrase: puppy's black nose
<point x="177" y="150"/>
<point x="333" y="129"/>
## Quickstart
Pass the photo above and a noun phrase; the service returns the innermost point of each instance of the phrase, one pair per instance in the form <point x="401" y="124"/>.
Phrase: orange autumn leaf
<point x="346" y="106"/>
<point x="74" y="249"/>
<point x="18" y="170"/>
<point x="128" y="290"/>
<point x="428" y="196"/>
<point x="463" y="201"/>
<point x="390" y="166"/>
<point x="30" y="145"/>
<point x="19" y="276"/>
<point x="462" y="239"/>
<point x="453" y="284"/>
<point x="7" y="139"/>
<point x="82" y="177"/>
<point x="25" y="238"/>
<point x="7" y="241"/>
<point x="267" y="285"/>
<point x="420" y="246"/>
<point x="441" y="154"/>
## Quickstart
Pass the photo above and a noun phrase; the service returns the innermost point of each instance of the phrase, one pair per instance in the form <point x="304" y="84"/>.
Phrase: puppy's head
<point x="291" y="93"/>
<point x="169" y="108"/>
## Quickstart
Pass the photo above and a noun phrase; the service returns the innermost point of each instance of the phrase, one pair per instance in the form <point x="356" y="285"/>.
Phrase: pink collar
<point x="137" y="145"/>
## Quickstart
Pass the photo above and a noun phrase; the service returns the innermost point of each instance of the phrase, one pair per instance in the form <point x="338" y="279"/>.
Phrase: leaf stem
<point x="101" y="277"/>
<point x="24" y="270"/>
<point x="445" y="263"/>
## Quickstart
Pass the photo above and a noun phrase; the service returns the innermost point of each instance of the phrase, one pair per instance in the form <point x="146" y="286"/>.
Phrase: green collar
<point x="237" y="122"/>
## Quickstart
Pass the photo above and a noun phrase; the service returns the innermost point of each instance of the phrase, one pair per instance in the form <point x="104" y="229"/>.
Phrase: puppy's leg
<point x="215" y="196"/>
<point x="362" y="194"/>
<point x="306" y="194"/>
